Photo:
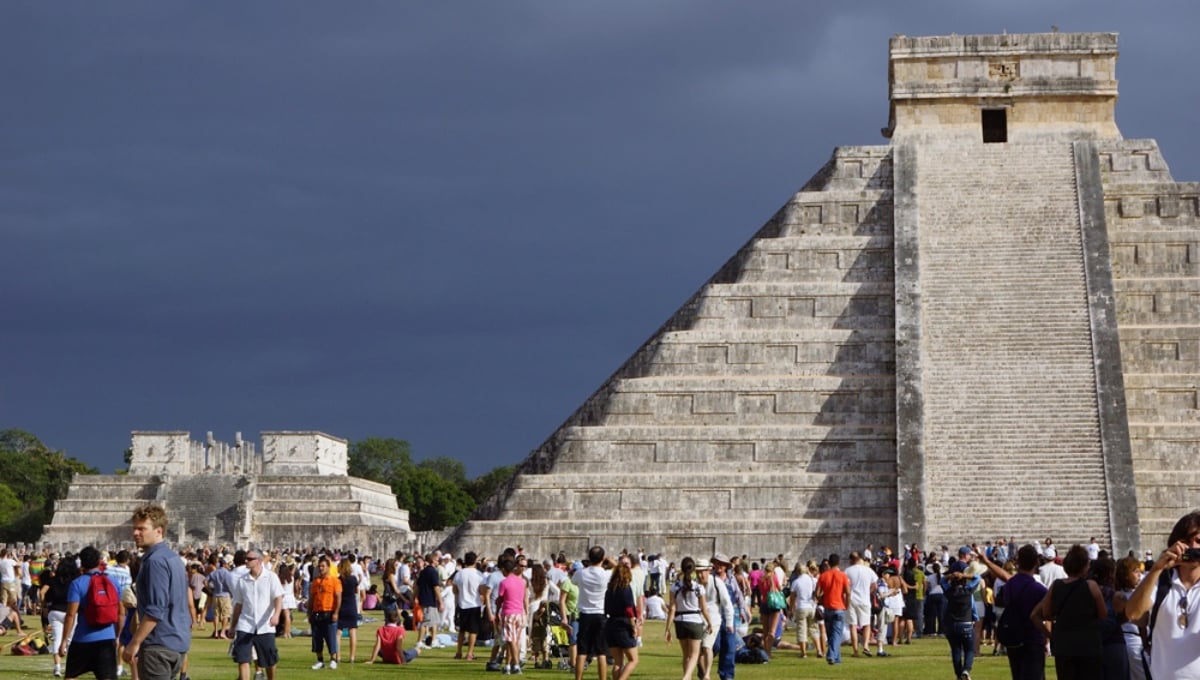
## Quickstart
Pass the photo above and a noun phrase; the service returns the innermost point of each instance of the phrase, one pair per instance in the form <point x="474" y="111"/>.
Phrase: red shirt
<point x="388" y="636"/>
<point x="833" y="585"/>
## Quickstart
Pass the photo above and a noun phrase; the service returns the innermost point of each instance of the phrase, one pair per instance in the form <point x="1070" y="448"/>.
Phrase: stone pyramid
<point x="988" y="327"/>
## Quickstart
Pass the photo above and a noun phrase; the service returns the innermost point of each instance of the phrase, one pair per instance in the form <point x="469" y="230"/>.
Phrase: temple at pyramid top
<point x="1004" y="87"/>
<point x="987" y="327"/>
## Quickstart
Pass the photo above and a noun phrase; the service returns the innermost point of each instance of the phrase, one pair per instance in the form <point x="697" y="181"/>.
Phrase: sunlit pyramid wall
<point x="988" y="326"/>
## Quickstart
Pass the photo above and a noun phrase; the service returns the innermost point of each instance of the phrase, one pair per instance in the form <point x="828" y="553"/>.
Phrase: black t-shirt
<point x="427" y="581"/>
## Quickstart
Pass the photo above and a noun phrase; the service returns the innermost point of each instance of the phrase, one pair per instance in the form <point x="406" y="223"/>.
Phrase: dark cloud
<point x="447" y="222"/>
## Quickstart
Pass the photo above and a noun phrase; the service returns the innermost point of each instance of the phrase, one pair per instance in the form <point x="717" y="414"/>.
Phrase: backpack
<point x="1014" y="627"/>
<point x="102" y="606"/>
<point x="1162" y="589"/>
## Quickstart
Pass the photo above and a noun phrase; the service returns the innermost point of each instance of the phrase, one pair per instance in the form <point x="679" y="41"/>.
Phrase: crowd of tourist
<point x="135" y="612"/>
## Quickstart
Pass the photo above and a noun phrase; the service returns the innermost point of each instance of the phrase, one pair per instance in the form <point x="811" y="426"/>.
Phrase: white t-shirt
<point x="492" y="580"/>
<point x="1173" y="654"/>
<point x="356" y="570"/>
<point x="592" y="582"/>
<point x="687" y="601"/>
<point x="862" y="580"/>
<point x="467" y="580"/>
<point x="555" y="575"/>
<point x="1093" y="551"/>
<point x="655" y="608"/>
<point x="1051" y="572"/>
<point x="803" y="587"/>
<point x="550" y="594"/>
<point x="8" y="573"/>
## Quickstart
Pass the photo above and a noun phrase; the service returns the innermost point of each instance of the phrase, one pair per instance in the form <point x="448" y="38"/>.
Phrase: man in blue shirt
<point x="93" y="648"/>
<point x="164" y="601"/>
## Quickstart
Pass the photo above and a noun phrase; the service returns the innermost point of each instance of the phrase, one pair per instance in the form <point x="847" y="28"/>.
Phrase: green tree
<point x="449" y="469"/>
<point x="36" y="476"/>
<point x="11" y="506"/>
<point x="436" y="502"/>
<point x="483" y="486"/>
<point x="379" y="460"/>
<point x="435" y="491"/>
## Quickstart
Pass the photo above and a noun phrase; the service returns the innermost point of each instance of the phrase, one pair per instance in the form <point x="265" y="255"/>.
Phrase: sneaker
<point x="332" y="665"/>
<point x="965" y="676"/>
<point x="507" y="671"/>
<point x="882" y="653"/>
<point x="260" y="675"/>
<point x="318" y="665"/>
<point x="492" y="666"/>
<point x="121" y="672"/>
<point x="58" y="671"/>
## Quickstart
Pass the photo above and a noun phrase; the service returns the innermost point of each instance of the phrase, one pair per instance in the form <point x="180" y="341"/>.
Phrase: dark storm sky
<point x="446" y="222"/>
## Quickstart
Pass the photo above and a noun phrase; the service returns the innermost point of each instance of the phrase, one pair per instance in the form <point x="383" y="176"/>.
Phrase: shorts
<point x="514" y="627"/>
<point x="156" y="662"/>
<point x="689" y="630"/>
<point x="858" y="615"/>
<point x="591" y="635"/>
<point x="262" y="643"/>
<point x="12" y="590"/>
<point x="223" y="607"/>
<point x="432" y="616"/>
<point x="470" y="620"/>
<point x="99" y="658"/>
<point x="886" y="616"/>
<point x="618" y="633"/>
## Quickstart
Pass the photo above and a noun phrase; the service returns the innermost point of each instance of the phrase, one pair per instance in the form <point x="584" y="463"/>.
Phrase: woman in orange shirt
<point x="325" y="594"/>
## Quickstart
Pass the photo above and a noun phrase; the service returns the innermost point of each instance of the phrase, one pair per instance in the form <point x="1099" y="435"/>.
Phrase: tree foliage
<point x="435" y="491"/>
<point x="35" y="476"/>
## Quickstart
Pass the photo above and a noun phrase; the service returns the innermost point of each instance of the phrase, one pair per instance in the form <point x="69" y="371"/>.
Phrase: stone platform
<point x="294" y="493"/>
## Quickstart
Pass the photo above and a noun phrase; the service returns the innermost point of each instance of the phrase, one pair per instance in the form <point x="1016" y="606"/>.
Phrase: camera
<point x="1191" y="555"/>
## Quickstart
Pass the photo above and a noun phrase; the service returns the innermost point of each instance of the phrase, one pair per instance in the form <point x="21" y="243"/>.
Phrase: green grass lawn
<point x="924" y="659"/>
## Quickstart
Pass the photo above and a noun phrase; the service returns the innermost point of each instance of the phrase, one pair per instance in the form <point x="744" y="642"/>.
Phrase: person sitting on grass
<point x="10" y="619"/>
<point x="389" y="641"/>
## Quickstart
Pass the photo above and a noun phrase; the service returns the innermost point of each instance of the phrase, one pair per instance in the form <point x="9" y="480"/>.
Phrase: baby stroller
<point x="560" y="646"/>
<point x="550" y="638"/>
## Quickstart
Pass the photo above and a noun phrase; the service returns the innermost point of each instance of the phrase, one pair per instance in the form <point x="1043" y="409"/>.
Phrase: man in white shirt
<point x="858" y="617"/>
<point x="1170" y="594"/>
<point x="1093" y="549"/>
<point x="257" y="604"/>
<point x="10" y="579"/>
<point x="1050" y="571"/>
<point x="466" y="583"/>
<point x="593" y="582"/>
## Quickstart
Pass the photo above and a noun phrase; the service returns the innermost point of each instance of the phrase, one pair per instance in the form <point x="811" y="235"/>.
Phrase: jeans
<point x="725" y="649"/>
<point x="962" y="645"/>
<point x="835" y="626"/>
<point x="324" y="631"/>
<point x="935" y="615"/>
<point x="1027" y="662"/>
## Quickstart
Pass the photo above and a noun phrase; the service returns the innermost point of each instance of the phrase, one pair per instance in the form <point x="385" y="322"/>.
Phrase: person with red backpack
<point x="93" y="607"/>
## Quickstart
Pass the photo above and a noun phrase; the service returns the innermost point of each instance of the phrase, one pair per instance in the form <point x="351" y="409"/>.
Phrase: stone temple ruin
<point x="294" y="492"/>
<point x="988" y="326"/>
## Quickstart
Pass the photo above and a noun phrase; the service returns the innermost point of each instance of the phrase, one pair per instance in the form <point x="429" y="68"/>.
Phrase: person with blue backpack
<point x="93" y="607"/>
